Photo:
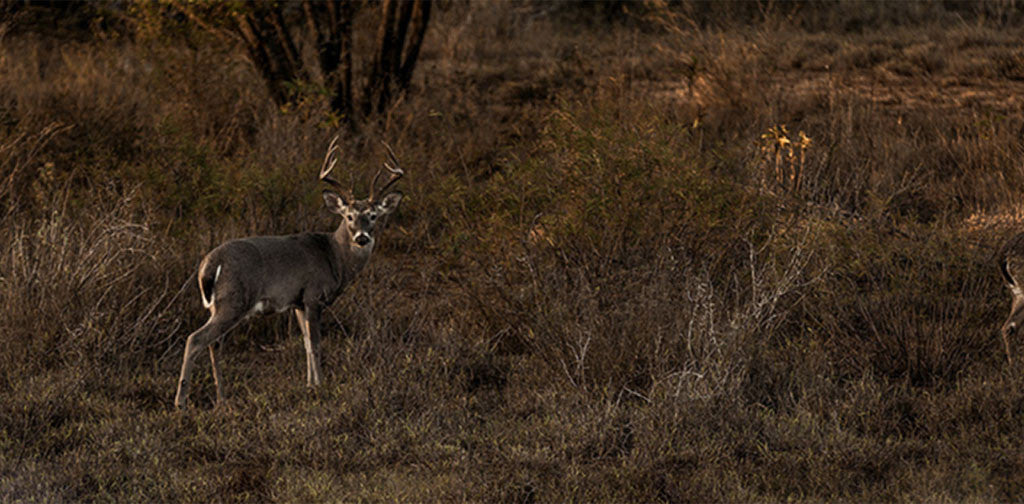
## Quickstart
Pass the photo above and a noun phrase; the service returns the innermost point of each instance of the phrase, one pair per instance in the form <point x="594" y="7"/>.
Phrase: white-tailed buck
<point x="1011" y="264"/>
<point x="304" y="272"/>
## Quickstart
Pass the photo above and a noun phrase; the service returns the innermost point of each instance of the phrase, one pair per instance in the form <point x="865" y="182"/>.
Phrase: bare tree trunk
<point x="420" y="19"/>
<point x="271" y="45"/>
<point x="342" y="101"/>
<point x="391" y="71"/>
<point x="377" y="81"/>
<point x="271" y="49"/>
<point x="331" y="22"/>
<point x="394" y="58"/>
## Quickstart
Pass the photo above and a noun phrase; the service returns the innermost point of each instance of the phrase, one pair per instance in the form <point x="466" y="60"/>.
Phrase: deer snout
<point x="362" y="239"/>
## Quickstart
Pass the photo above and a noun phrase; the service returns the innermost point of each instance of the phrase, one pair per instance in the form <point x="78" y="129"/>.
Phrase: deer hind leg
<point x="216" y="376"/>
<point x="309" y="322"/>
<point x="197" y="341"/>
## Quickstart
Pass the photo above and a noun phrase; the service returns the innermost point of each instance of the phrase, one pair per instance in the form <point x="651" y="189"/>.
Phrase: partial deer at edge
<point x="304" y="272"/>
<point x="1011" y="265"/>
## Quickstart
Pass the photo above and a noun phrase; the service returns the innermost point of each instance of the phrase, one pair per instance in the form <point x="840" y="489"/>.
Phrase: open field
<point x="619" y="273"/>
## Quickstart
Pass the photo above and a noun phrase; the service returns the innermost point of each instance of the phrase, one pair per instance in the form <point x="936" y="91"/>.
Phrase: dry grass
<point x="604" y="284"/>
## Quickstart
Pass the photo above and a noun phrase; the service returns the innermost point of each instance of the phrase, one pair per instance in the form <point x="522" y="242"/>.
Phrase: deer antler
<point x="331" y="159"/>
<point x="392" y="166"/>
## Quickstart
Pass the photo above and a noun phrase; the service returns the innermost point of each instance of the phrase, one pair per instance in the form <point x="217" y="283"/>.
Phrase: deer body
<point x="309" y="268"/>
<point x="304" y="272"/>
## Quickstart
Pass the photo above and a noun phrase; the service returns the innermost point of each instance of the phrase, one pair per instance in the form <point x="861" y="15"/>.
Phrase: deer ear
<point x="335" y="202"/>
<point x="389" y="203"/>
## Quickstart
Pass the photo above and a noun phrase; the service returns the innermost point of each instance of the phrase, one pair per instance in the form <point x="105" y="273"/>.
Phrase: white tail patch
<point x="209" y="302"/>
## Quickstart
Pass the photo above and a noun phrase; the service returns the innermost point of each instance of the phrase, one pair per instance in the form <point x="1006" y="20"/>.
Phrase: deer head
<point x="360" y="217"/>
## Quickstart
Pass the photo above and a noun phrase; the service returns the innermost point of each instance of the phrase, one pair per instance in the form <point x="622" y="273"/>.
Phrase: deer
<point x="302" y="272"/>
<point x="1011" y="265"/>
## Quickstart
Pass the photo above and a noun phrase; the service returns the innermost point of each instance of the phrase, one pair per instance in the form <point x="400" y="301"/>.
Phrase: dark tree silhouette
<point x="271" y="32"/>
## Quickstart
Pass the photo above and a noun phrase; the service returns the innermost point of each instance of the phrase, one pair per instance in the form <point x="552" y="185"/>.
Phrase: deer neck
<point x="350" y="258"/>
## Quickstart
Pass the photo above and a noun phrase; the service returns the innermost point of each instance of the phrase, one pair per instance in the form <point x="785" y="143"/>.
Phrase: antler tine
<point x="327" y="166"/>
<point x="393" y="158"/>
<point x="392" y="166"/>
<point x="330" y="160"/>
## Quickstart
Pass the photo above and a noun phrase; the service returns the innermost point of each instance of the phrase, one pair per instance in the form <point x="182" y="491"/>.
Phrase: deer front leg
<point x="309" y="322"/>
<point x="313" y="322"/>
